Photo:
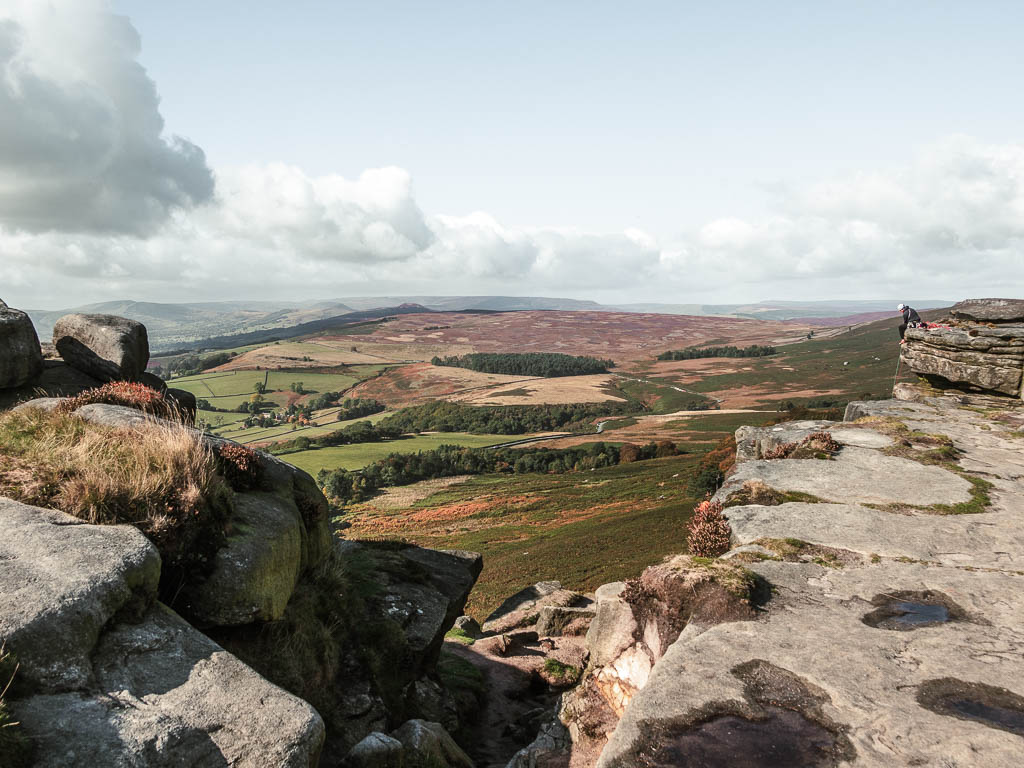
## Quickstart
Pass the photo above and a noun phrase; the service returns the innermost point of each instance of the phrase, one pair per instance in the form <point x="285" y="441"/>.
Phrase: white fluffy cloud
<point x="81" y="136"/>
<point x="95" y="203"/>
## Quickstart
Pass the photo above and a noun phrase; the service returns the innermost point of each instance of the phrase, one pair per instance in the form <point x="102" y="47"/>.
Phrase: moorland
<point x="537" y="383"/>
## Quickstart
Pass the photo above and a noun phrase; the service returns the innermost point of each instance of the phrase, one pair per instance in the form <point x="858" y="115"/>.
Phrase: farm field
<point x="359" y="455"/>
<point x="692" y="431"/>
<point x="324" y="422"/>
<point x="583" y="529"/>
<point x="561" y="390"/>
<point x="855" y="364"/>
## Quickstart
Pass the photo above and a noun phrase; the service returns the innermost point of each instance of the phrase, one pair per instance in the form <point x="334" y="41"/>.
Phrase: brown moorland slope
<point x="620" y="336"/>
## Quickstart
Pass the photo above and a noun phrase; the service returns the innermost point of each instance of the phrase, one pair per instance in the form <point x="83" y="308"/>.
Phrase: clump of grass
<point x="459" y="636"/>
<point x="709" y="532"/>
<point x="157" y="476"/>
<point x="559" y="674"/>
<point x="980" y="498"/>
<point x="15" y="746"/>
<point x="127" y="393"/>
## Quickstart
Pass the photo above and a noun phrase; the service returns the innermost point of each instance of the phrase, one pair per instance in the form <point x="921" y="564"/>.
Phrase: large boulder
<point x="981" y="351"/>
<point x="163" y="694"/>
<point x="61" y="581"/>
<point x="423" y="590"/>
<point x="523" y="608"/>
<point x="107" y="347"/>
<point x="429" y="744"/>
<point x="21" y="359"/>
<point x="377" y="750"/>
<point x="990" y="310"/>
<point x="255" y="573"/>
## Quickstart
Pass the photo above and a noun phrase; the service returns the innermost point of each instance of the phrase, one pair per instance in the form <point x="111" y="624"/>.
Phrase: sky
<point x="623" y="152"/>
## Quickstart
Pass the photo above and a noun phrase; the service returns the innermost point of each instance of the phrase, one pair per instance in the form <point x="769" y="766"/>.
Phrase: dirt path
<point x="518" y="701"/>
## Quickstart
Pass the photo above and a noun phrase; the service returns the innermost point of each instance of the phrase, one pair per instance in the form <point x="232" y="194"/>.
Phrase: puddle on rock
<point x="912" y="610"/>
<point x="986" y="704"/>
<point x="780" y="725"/>
<point x="782" y="739"/>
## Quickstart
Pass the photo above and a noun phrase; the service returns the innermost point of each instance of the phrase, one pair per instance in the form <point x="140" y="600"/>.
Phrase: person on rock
<point x="910" y="320"/>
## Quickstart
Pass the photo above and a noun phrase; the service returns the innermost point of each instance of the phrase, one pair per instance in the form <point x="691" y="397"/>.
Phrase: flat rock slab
<point x="867" y="678"/>
<point x="990" y="310"/>
<point x="753" y="442"/>
<point x="166" y="695"/>
<point x="107" y="347"/>
<point x="61" y="582"/>
<point x="979" y="540"/>
<point x="857" y="475"/>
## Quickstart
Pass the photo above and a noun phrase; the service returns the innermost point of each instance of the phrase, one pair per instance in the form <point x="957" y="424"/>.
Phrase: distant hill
<point x="172" y="325"/>
<point x="195" y="323"/>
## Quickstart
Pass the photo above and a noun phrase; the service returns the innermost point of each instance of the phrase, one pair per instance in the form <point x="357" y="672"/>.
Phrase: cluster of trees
<point x="440" y="416"/>
<point x="360" y="432"/>
<point x="694" y="353"/>
<point x="357" y="407"/>
<point x="346" y="486"/>
<point x="547" y="364"/>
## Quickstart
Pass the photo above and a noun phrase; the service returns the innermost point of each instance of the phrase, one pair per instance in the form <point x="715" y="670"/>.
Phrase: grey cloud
<point x="82" y="147"/>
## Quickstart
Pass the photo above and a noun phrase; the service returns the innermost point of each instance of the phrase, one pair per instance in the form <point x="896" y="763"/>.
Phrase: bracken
<point x="709" y="531"/>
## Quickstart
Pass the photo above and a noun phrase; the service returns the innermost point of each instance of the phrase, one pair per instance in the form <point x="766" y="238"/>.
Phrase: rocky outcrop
<point x="21" y="359"/>
<point x="106" y="347"/>
<point x="108" y="676"/>
<point x="61" y="581"/>
<point x="893" y="637"/>
<point x="523" y="608"/>
<point x="635" y="624"/>
<point x="982" y="350"/>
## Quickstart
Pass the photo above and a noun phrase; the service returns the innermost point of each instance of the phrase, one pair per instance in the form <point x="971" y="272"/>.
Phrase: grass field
<point x="583" y="529"/>
<point x="359" y="455"/>
<point x="325" y="422"/>
<point x="227" y="390"/>
<point x="858" y="364"/>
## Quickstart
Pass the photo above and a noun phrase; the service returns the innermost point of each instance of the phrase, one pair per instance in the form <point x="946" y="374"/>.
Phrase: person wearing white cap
<point x="910" y="320"/>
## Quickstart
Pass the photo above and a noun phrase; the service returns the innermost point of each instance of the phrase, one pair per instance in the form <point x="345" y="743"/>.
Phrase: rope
<point x="899" y="361"/>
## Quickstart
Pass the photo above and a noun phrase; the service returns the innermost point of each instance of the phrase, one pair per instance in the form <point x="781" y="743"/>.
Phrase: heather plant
<point x="127" y="393"/>
<point x="709" y="531"/>
<point x="239" y="465"/>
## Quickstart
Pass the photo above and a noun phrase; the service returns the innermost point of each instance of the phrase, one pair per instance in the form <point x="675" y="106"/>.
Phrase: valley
<point x="585" y="527"/>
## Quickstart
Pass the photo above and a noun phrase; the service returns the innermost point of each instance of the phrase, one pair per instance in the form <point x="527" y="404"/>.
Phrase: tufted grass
<point x="15" y="747"/>
<point x="159" y="477"/>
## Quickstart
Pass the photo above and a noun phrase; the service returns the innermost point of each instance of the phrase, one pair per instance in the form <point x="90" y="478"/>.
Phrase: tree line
<point x="694" y="353"/>
<point x="545" y="364"/>
<point x="346" y="486"/>
<point x="441" y="416"/>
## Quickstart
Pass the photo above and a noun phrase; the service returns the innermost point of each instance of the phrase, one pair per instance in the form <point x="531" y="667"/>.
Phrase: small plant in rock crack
<point x="780" y="451"/>
<point x="239" y="465"/>
<point x="709" y="531"/>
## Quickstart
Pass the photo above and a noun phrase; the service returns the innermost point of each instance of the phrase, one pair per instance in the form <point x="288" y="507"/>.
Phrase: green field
<point x="359" y="455"/>
<point x="860" y="364"/>
<point x="325" y="419"/>
<point x="583" y="529"/>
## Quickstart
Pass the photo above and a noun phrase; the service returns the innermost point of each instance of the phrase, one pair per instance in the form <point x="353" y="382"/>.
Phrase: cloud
<point x="96" y="203"/>
<point x="947" y="225"/>
<point x="81" y="136"/>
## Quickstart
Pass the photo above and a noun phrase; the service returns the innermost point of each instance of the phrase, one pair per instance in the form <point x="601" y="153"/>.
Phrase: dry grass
<point x="15" y="747"/>
<point x="158" y="476"/>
